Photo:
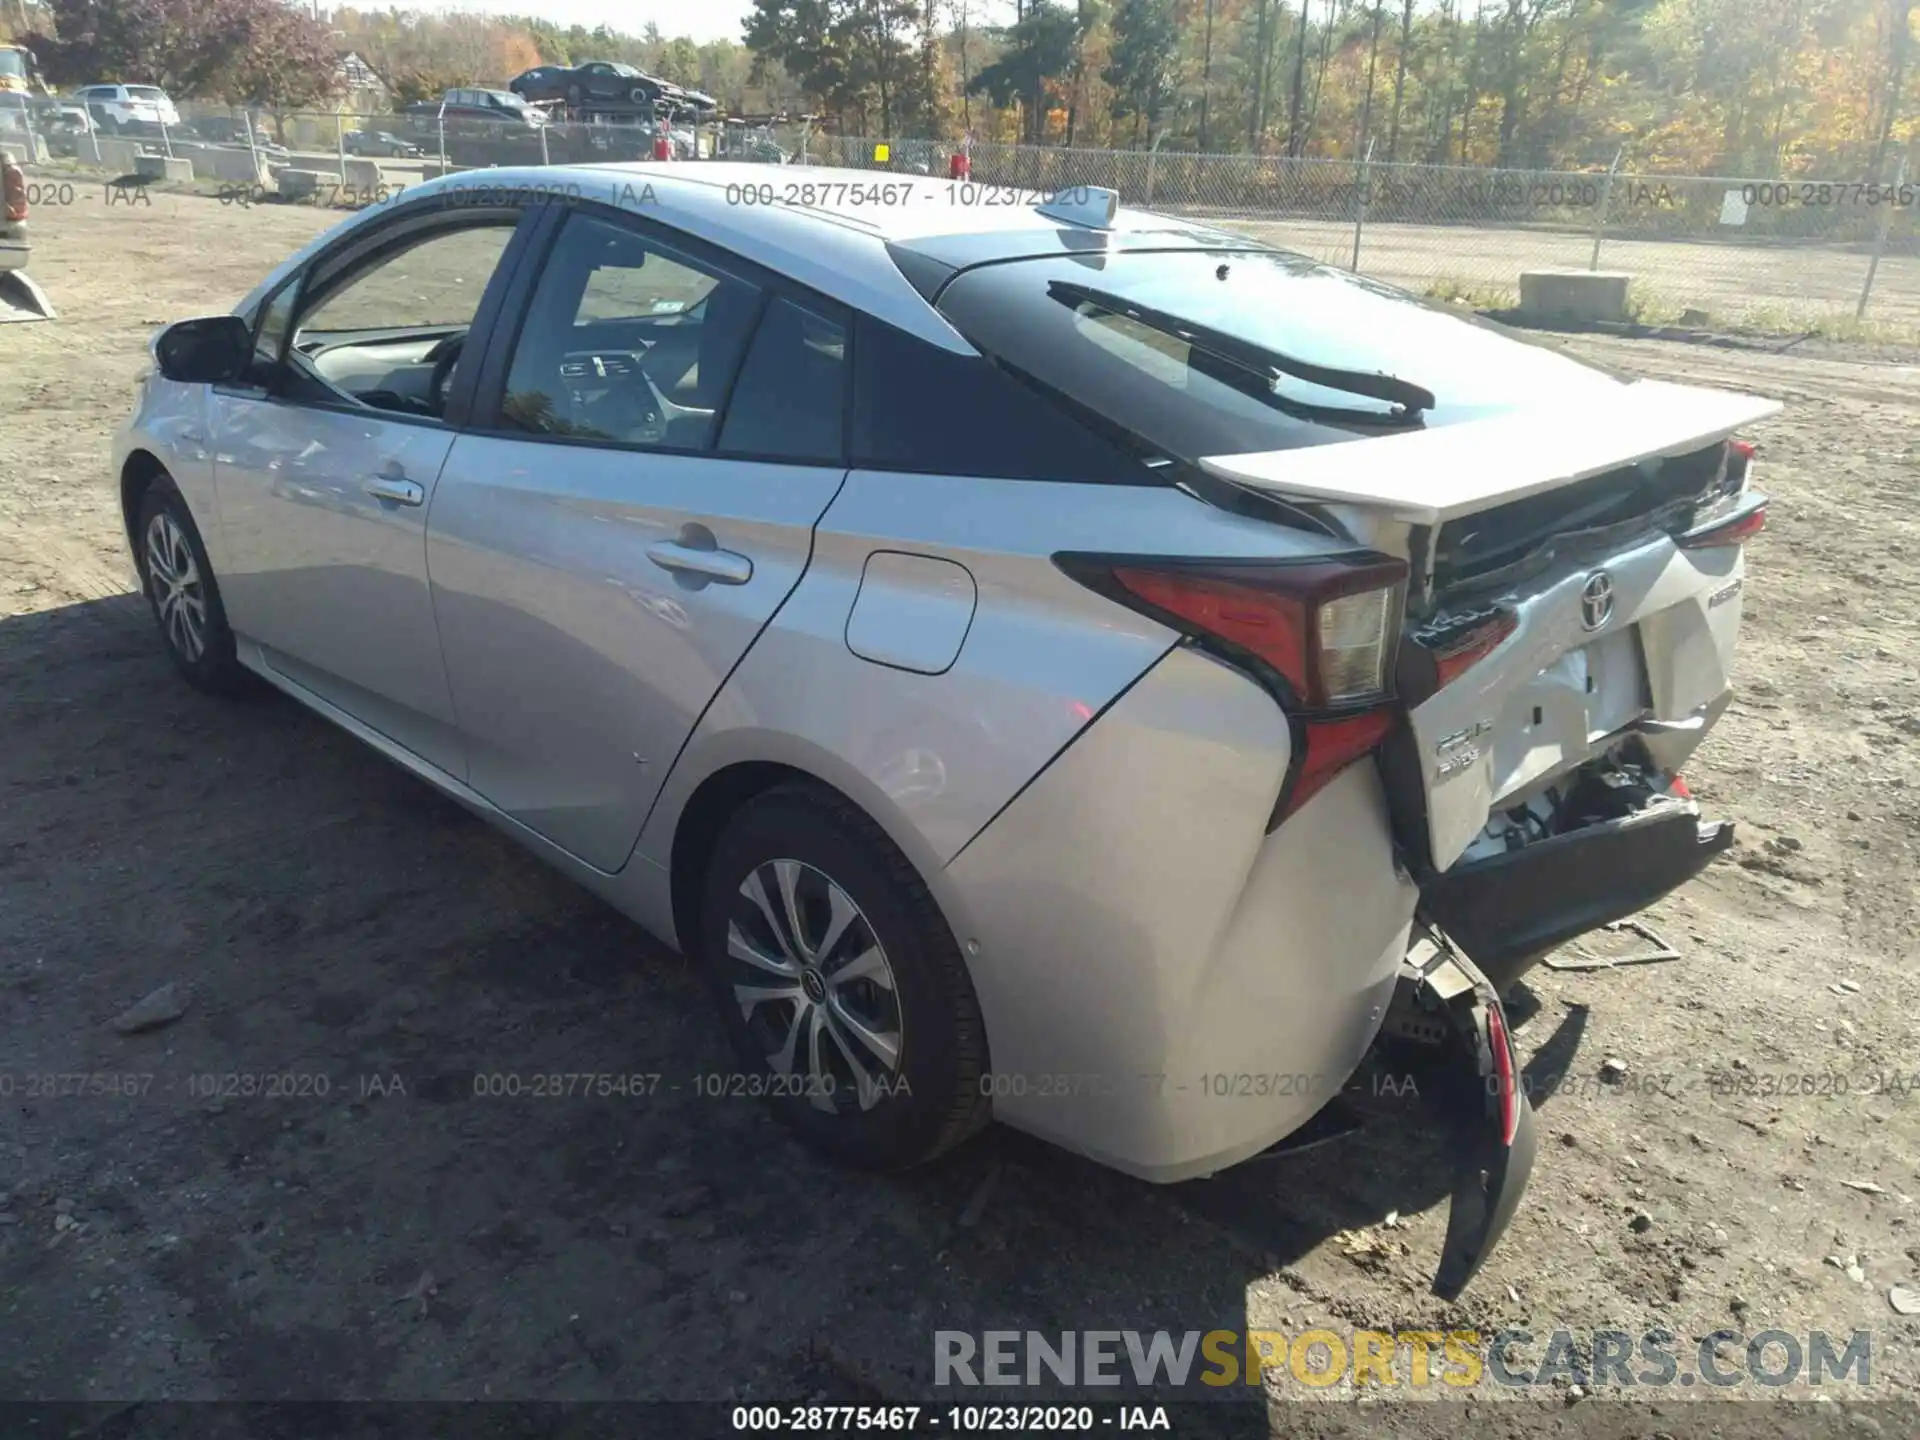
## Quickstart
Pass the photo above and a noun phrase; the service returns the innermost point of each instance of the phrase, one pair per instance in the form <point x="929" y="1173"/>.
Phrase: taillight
<point x="13" y="183"/>
<point x="1507" y="1091"/>
<point x="1745" y="523"/>
<point x="1737" y="513"/>
<point x="1321" y="634"/>
<point x="1446" y="649"/>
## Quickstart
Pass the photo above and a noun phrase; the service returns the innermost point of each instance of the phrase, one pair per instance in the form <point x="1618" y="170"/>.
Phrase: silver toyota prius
<point x="1044" y="661"/>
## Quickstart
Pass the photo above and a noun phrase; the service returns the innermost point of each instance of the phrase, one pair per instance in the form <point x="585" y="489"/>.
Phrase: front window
<point x="13" y="64"/>
<point x="389" y="334"/>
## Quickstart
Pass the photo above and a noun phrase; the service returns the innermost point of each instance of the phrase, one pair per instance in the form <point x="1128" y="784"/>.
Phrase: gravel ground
<point x="327" y="917"/>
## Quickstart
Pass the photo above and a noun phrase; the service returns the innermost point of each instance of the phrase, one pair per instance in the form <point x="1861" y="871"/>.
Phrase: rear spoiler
<point x="1428" y="476"/>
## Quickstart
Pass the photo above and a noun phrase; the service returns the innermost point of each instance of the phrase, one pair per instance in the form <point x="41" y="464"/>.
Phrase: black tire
<point x="215" y="669"/>
<point x="934" y="1099"/>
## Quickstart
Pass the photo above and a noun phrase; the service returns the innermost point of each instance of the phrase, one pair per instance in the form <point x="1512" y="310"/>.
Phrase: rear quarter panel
<point x="933" y="758"/>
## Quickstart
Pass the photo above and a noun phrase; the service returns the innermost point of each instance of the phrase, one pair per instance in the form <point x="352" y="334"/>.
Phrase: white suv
<point x="124" y="107"/>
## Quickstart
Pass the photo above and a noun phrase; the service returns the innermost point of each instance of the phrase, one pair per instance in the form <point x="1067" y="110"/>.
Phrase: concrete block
<point x="230" y="164"/>
<point x="362" y="176"/>
<point x="119" y="156"/>
<point x="17" y="149"/>
<point x="297" y="184"/>
<point x="163" y="167"/>
<point x="1574" y="295"/>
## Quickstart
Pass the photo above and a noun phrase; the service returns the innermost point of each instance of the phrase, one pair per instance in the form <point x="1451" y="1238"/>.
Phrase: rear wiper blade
<point x="1271" y="364"/>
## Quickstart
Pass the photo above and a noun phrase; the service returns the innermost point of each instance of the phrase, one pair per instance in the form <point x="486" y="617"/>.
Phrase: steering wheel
<point x="446" y="355"/>
<point x="636" y="413"/>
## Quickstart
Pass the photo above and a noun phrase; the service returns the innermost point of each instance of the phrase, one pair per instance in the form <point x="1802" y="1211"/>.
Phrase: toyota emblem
<point x="1596" y="600"/>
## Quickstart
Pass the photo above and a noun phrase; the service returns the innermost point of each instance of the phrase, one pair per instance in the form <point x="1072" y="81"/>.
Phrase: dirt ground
<point x="1770" y="286"/>
<point x="398" y="1237"/>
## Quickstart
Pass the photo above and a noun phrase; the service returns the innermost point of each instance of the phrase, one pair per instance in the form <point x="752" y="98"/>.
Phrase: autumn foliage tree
<point x="1755" y="88"/>
<point x="235" y="50"/>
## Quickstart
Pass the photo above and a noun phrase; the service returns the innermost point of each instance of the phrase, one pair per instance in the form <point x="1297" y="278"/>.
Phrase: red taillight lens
<point x="1272" y="626"/>
<point x="1738" y="528"/>
<point x="1446" y="649"/>
<point x="1328" y="630"/>
<point x="1507" y="1091"/>
<point x="1331" y="746"/>
<point x="13" y="182"/>
<point x="1463" y="652"/>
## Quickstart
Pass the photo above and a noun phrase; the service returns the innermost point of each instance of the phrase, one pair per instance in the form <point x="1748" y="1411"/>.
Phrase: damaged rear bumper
<point x="1446" y="1032"/>
<point x="1508" y="910"/>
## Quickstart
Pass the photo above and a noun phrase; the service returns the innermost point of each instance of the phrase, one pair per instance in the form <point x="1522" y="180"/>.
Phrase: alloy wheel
<point x="179" y="596"/>
<point x="813" y="983"/>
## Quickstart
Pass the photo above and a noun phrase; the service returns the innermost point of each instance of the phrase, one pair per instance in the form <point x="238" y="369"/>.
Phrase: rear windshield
<point x="146" y="92"/>
<point x="1179" y="398"/>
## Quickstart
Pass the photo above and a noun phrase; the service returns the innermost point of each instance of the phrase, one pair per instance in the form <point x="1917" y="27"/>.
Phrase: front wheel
<point x="182" y="591"/>
<point x="840" y="982"/>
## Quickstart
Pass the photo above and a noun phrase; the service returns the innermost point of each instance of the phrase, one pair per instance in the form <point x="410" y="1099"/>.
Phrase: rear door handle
<point x="723" y="566"/>
<point x="401" y="492"/>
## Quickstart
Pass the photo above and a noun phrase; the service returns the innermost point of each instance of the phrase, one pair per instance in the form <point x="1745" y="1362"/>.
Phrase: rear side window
<point x="790" y="402"/>
<point x="919" y="407"/>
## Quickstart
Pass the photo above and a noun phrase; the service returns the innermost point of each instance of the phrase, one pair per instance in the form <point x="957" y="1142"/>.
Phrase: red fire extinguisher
<point x="959" y="167"/>
<point x="663" y="144"/>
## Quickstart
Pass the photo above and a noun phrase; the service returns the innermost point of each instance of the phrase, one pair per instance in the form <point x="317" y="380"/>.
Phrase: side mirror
<point x="206" y="351"/>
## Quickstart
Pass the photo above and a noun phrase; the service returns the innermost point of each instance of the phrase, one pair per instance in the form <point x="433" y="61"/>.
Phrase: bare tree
<point x="1898" y="18"/>
<point x="1399" y="79"/>
<point x="1206" y="77"/>
<point x="1295" y="140"/>
<point x="1365" y="130"/>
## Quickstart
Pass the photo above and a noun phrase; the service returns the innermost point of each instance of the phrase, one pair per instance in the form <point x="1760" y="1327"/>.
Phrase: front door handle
<point x="722" y="566"/>
<point x="401" y="492"/>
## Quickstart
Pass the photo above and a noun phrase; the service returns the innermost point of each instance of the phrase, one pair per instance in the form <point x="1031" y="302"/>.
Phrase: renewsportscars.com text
<point x="1413" y="1359"/>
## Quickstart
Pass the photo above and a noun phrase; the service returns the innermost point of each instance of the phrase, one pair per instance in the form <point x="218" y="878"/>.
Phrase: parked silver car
<point x="1045" y="661"/>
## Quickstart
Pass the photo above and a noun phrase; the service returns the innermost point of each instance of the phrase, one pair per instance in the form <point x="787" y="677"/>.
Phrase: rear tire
<point x="182" y="592"/>
<point x="840" y="983"/>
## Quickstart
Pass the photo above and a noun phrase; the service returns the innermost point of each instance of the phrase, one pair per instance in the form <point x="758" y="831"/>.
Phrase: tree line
<point x="1749" y="87"/>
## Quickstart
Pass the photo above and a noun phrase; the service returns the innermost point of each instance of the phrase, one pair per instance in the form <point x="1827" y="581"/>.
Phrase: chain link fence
<point x="1827" y="256"/>
<point x="1790" y="255"/>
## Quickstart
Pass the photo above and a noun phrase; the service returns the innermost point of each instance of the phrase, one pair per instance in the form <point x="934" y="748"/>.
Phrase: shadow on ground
<point x="310" y="1195"/>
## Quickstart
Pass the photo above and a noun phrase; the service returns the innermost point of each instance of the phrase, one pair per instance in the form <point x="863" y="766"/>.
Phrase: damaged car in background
<point x="1045" y="663"/>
